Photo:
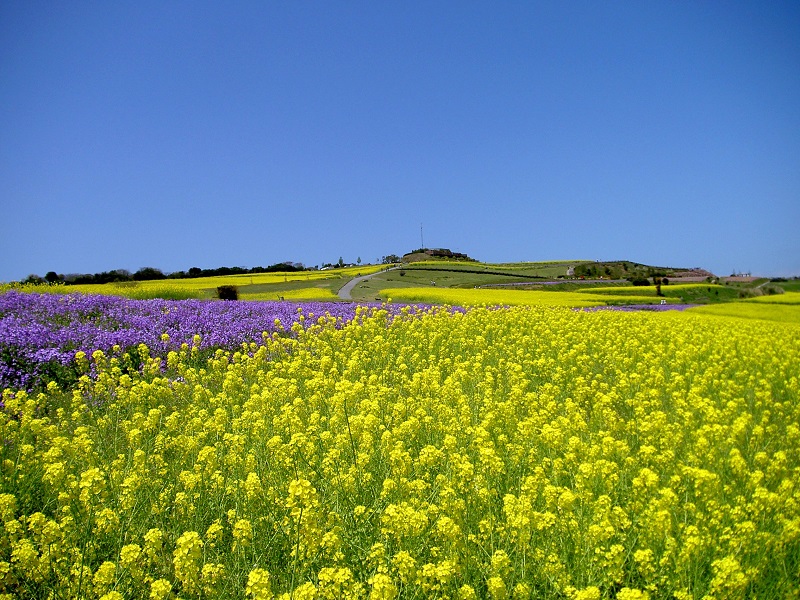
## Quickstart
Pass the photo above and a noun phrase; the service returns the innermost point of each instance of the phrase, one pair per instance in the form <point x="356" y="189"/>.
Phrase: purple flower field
<point x="40" y="331"/>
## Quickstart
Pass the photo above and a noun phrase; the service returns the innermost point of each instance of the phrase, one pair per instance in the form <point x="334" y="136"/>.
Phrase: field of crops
<point x="300" y="295"/>
<point x="787" y="298"/>
<point x="390" y="452"/>
<point x="252" y="286"/>
<point x="512" y="297"/>
<point x="750" y="309"/>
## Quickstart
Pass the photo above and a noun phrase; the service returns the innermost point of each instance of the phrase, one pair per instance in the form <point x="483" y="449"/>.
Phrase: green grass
<point x="571" y="285"/>
<point x="547" y="270"/>
<point x="416" y="278"/>
<point x="789" y="286"/>
<point x="461" y="275"/>
<point x="690" y="293"/>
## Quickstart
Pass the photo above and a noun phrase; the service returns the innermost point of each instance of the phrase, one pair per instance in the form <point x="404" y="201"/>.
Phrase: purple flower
<point x="38" y="331"/>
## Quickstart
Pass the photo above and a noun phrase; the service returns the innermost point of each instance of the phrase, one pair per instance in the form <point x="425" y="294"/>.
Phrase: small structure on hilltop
<point x="445" y="253"/>
<point x="425" y="253"/>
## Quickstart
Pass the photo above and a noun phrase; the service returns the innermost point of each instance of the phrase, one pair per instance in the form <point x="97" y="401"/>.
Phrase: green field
<point x="691" y="293"/>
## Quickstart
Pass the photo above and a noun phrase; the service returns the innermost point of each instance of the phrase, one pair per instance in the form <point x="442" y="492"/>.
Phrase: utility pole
<point x="421" y="239"/>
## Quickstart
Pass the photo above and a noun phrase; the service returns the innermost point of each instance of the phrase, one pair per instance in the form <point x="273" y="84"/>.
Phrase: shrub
<point x="764" y="290"/>
<point x="773" y="290"/>
<point x="750" y="292"/>
<point x="228" y="292"/>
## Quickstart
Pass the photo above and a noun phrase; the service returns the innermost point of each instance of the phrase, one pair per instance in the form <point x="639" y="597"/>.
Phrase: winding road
<point x="345" y="293"/>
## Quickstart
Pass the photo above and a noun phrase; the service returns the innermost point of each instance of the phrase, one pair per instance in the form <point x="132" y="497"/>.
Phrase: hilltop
<point x="445" y="254"/>
<point x="438" y="258"/>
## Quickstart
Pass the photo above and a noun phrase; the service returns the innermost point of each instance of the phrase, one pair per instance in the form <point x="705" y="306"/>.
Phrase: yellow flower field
<point x="785" y="298"/>
<point x="529" y="452"/>
<point x="136" y="290"/>
<point x="191" y="287"/>
<point x="748" y="309"/>
<point x="303" y="294"/>
<point x="488" y="297"/>
<point x="512" y="297"/>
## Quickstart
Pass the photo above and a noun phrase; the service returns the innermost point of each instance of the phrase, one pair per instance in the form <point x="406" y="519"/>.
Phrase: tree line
<point x="151" y="273"/>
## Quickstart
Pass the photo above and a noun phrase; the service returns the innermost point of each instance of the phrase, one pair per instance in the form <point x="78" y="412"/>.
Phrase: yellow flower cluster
<point x="496" y="297"/>
<point x="516" y="453"/>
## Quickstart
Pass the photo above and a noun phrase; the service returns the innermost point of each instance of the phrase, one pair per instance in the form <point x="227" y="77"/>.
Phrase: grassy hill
<point x="555" y="276"/>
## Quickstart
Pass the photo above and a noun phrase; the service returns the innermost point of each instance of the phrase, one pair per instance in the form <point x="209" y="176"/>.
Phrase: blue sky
<point x="180" y="134"/>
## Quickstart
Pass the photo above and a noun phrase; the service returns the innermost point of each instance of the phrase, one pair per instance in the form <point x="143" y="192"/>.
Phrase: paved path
<point x="347" y="288"/>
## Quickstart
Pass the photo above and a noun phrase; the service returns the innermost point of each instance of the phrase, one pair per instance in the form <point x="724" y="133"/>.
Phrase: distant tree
<point x="195" y="272"/>
<point x="283" y="267"/>
<point x="148" y="273"/>
<point x="340" y="264"/>
<point x="33" y="278"/>
<point x="359" y="260"/>
<point x="111" y="276"/>
<point x="657" y="283"/>
<point x="52" y="277"/>
<point x="121" y="275"/>
<point x="389" y="259"/>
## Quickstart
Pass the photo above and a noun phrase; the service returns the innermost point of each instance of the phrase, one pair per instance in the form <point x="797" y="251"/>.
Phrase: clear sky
<point x="180" y="134"/>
